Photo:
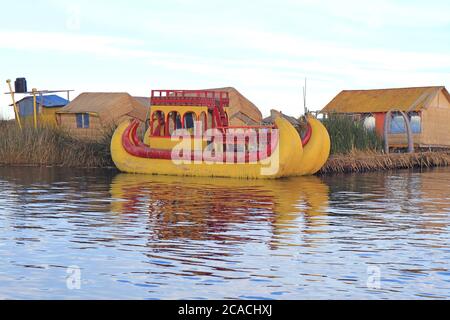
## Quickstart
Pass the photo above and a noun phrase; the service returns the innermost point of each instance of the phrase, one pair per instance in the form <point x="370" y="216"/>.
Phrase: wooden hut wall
<point x="95" y="130"/>
<point x="435" y="122"/>
<point x="48" y="115"/>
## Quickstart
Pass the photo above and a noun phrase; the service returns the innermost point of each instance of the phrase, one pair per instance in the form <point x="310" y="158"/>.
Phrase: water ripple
<point x="145" y="237"/>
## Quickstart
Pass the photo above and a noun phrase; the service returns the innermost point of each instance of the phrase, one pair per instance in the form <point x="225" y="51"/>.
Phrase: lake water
<point x="95" y="234"/>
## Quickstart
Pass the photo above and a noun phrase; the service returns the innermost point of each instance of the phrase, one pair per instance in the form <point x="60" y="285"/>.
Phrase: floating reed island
<point x="360" y="161"/>
<point x="354" y="150"/>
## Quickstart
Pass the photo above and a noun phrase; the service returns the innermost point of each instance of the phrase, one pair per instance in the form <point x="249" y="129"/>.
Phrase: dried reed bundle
<point x="358" y="161"/>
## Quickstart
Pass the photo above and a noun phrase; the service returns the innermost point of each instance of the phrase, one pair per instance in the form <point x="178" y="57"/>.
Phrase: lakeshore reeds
<point x="348" y="135"/>
<point x="358" y="161"/>
<point x="50" y="146"/>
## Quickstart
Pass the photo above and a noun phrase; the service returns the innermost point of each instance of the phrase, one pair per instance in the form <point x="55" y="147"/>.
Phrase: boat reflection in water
<point x="223" y="209"/>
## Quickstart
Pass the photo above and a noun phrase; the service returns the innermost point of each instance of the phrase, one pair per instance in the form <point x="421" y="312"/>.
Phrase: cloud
<point x="64" y="42"/>
<point x="272" y="71"/>
<point x="381" y="13"/>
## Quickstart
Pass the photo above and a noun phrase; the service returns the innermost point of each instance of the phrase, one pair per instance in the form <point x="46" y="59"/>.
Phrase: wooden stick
<point x="14" y="104"/>
<point x="34" y="108"/>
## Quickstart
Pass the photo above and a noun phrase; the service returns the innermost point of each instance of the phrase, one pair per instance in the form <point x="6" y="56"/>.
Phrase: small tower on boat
<point x="181" y="109"/>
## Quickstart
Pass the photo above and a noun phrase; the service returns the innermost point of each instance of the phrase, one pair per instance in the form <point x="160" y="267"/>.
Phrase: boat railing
<point x="248" y="137"/>
<point x="206" y="98"/>
<point x="246" y="127"/>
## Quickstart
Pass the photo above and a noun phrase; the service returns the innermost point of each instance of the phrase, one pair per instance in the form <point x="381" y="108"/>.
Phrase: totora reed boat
<point x="189" y="135"/>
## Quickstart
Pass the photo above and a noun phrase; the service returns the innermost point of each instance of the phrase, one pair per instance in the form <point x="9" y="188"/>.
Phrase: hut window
<point x="158" y="123"/>
<point x="174" y="122"/>
<point x="189" y="121"/>
<point x="369" y="123"/>
<point x="416" y="122"/>
<point x="82" y="120"/>
<point x="397" y="124"/>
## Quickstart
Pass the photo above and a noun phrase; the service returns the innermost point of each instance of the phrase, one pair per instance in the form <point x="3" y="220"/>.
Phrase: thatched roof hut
<point x="90" y="114"/>
<point x="46" y="107"/>
<point x="145" y="101"/>
<point x="428" y="109"/>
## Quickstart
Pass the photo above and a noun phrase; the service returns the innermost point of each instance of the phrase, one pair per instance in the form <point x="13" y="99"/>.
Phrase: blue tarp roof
<point x="50" y="101"/>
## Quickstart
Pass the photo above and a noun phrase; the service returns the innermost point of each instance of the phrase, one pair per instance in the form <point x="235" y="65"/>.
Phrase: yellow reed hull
<point x="317" y="151"/>
<point x="288" y="159"/>
<point x="278" y="165"/>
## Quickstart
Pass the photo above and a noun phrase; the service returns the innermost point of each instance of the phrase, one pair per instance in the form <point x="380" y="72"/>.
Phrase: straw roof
<point x="383" y="100"/>
<point x="271" y="119"/>
<point x="241" y="107"/>
<point x="108" y="106"/>
<point x="145" y="101"/>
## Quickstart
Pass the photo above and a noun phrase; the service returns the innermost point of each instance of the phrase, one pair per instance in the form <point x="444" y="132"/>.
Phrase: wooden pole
<point x="34" y="108"/>
<point x="387" y="125"/>
<point x="42" y="101"/>
<point x="147" y="117"/>
<point x="304" y="98"/>
<point x="16" y="111"/>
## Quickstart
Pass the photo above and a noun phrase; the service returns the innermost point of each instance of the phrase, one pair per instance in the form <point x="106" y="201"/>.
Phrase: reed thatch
<point x="383" y="100"/>
<point x="273" y="115"/>
<point x="108" y="106"/>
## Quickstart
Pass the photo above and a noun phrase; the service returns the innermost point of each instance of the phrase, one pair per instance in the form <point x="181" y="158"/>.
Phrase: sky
<point x="265" y="49"/>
